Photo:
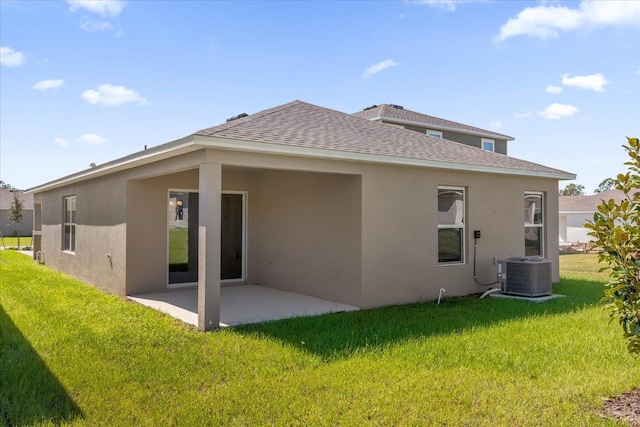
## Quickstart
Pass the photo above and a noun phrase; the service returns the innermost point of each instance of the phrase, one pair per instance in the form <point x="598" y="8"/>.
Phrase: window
<point x="69" y="227"/>
<point x="533" y="224"/>
<point x="450" y="225"/>
<point x="488" y="145"/>
<point x="434" y="133"/>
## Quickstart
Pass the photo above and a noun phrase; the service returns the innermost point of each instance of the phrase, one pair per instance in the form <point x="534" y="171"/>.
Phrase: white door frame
<point x="243" y="273"/>
<point x="243" y="277"/>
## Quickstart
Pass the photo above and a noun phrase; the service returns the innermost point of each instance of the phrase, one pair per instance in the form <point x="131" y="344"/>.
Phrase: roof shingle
<point x="305" y="125"/>
<point x="392" y="113"/>
<point x="588" y="203"/>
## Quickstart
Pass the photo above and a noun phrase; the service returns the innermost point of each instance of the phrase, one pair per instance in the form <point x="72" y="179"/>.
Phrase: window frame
<point x="492" y="142"/>
<point x="534" y="224"/>
<point x="461" y="227"/>
<point x="69" y="220"/>
<point x="434" y="133"/>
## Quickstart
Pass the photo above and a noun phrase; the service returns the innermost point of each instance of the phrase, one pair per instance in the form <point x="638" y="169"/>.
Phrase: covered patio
<point x="241" y="304"/>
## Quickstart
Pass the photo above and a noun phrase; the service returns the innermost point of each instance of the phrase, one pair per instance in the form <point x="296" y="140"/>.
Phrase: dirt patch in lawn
<point x="625" y="407"/>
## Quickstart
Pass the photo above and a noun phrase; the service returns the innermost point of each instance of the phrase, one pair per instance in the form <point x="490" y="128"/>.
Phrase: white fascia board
<point x="154" y="154"/>
<point x="196" y="142"/>
<point x="272" y="148"/>
<point x="446" y="128"/>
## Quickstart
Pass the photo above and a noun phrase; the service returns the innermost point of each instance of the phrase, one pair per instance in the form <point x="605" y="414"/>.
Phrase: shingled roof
<point x="299" y="124"/>
<point x="398" y="114"/>
<point x="305" y="130"/>
<point x="588" y="203"/>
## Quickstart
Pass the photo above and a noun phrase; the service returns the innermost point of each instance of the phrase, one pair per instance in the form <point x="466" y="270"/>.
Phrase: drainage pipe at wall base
<point x="490" y="291"/>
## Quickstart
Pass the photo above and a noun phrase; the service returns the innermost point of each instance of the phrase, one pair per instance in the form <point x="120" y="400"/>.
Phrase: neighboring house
<point x="25" y="228"/>
<point x="574" y="211"/>
<point x="436" y="127"/>
<point x="304" y="199"/>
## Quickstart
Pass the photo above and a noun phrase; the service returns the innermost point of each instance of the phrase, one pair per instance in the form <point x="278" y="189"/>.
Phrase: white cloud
<point x="548" y="21"/>
<point x="496" y="124"/>
<point x="104" y="8"/>
<point x="61" y="142"/>
<point x="375" y="69"/>
<point x="522" y="115"/>
<point x="112" y="96"/>
<point x="448" y="5"/>
<point x="95" y="26"/>
<point x="594" y="82"/>
<point x="638" y="71"/>
<point x="554" y="89"/>
<point x="557" y="111"/>
<point x="48" y="84"/>
<point x="10" y="57"/>
<point x="91" y="139"/>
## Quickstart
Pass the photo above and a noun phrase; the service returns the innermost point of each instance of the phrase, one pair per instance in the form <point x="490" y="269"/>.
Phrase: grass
<point x="178" y="249"/>
<point x="12" y="242"/>
<point x="71" y="354"/>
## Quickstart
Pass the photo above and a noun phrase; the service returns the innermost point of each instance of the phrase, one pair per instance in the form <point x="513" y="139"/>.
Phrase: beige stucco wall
<point x="147" y="229"/>
<point x="100" y="255"/>
<point x="353" y="232"/>
<point x="309" y="235"/>
<point x="400" y="252"/>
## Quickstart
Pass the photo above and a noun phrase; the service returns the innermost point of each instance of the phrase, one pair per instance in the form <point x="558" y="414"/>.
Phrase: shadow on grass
<point x="29" y="392"/>
<point x="341" y="335"/>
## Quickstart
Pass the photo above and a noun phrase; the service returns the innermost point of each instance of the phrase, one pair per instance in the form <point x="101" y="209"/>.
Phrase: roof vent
<point x="239" y="116"/>
<point x="371" y="107"/>
<point x="399" y="107"/>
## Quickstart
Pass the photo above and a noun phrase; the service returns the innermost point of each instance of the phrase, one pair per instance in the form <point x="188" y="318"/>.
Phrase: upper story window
<point x="533" y="224"/>
<point x="451" y="225"/>
<point x="434" y="133"/>
<point x="69" y="225"/>
<point x="488" y="144"/>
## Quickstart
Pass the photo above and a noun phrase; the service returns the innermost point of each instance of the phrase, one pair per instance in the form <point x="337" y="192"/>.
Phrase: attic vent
<point x="399" y="107"/>
<point x="369" y="108"/>
<point x="239" y="116"/>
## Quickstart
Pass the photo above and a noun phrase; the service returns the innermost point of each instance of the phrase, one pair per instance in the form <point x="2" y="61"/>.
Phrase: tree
<point x="572" y="190"/>
<point x="616" y="231"/>
<point x="606" y="185"/>
<point x="16" y="213"/>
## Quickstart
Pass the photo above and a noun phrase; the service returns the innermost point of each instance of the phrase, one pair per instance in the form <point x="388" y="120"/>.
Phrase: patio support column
<point x="209" y="231"/>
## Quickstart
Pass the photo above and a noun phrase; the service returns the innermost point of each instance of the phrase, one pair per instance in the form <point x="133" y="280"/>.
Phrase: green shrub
<point x="616" y="230"/>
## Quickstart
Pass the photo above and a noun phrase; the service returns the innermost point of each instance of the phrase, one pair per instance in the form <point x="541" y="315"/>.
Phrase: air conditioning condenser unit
<point x="525" y="276"/>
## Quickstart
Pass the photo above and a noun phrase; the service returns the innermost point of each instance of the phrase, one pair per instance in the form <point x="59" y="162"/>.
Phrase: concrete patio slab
<point x="241" y="304"/>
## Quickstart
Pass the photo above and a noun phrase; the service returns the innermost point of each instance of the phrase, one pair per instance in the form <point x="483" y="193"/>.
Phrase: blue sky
<point x="89" y="81"/>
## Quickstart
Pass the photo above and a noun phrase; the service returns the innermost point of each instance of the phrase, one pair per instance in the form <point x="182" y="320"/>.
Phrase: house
<point x="436" y="127"/>
<point x="574" y="211"/>
<point x="304" y="199"/>
<point x="24" y="228"/>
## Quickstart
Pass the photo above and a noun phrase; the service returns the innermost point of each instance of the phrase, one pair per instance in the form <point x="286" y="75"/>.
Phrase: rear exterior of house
<point x="303" y="199"/>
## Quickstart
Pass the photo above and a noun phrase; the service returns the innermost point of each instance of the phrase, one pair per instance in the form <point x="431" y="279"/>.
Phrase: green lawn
<point x="71" y="354"/>
<point x="178" y="249"/>
<point x="12" y="242"/>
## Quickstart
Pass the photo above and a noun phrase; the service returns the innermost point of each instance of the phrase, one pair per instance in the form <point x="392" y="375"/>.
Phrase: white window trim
<point x="488" y="141"/>
<point x="541" y="226"/>
<point x="434" y="133"/>
<point x="450" y="226"/>
<point x="72" y="225"/>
